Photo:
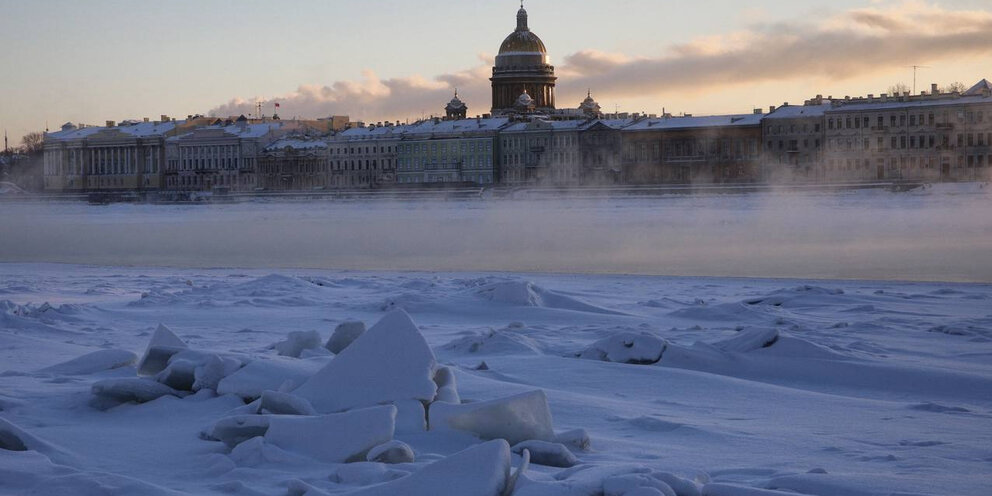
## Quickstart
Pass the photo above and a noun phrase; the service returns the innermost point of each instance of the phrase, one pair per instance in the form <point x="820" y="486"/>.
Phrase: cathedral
<point x="523" y="77"/>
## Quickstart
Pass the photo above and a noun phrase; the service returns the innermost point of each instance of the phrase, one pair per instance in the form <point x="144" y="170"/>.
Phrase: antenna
<point x="915" y="67"/>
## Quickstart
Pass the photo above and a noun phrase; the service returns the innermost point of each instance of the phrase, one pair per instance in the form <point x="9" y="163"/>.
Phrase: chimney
<point x="146" y="119"/>
<point x="165" y="118"/>
<point x="111" y="123"/>
<point x="871" y="96"/>
<point x="771" y="108"/>
<point x="934" y="90"/>
<point x="757" y="111"/>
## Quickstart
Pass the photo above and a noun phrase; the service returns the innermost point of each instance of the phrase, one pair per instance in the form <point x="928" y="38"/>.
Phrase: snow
<point x="296" y="342"/>
<point x="481" y="470"/>
<point x="389" y="362"/>
<point x="627" y="347"/>
<point x="545" y="453"/>
<point x="344" y="334"/>
<point x="516" y="418"/>
<point x="270" y="374"/>
<point x="131" y="389"/>
<point x="163" y="344"/>
<point x="391" y="452"/>
<point x="334" y="438"/>
<point x="90" y="363"/>
<point x="285" y="404"/>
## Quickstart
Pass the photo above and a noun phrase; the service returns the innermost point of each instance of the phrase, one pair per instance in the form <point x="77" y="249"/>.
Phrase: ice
<point x="855" y="350"/>
<point x="627" y="347"/>
<point x="749" y="339"/>
<point x="547" y="454"/>
<point x="716" y="489"/>
<point x="344" y="334"/>
<point x="179" y="374"/>
<point x="447" y="388"/>
<point x="14" y="438"/>
<point x="389" y="362"/>
<point x="211" y="370"/>
<point x="236" y="429"/>
<point x="481" y="470"/>
<point x="576" y="438"/>
<point x="516" y="418"/>
<point x="365" y="474"/>
<point x="528" y="294"/>
<point x="255" y="452"/>
<point x="682" y="487"/>
<point x="90" y="363"/>
<point x="334" y="438"/>
<point x="268" y="375"/>
<point x="135" y="389"/>
<point x="495" y="342"/>
<point x="285" y="404"/>
<point x="163" y="344"/>
<point x="391" y="452"/>
<point x="296" y="342"/>
<point x="629" y="484"/>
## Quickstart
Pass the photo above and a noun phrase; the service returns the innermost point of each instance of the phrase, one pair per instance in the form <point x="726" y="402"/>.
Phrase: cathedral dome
<point x="523" y="40"/>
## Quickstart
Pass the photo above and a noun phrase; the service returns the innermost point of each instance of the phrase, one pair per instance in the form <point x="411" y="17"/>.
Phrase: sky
<point x="98" y="60"/>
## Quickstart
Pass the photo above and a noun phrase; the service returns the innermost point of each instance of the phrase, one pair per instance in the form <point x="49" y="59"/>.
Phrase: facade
<point x="523" y="66"/>
<point x="220" y="158"/>
<point x="931" y="137"/>
<point x="793" y="137"/>
<point x="294" y="163"/>
<point x="540" y="151"/>
<point x="683" y="150"/>
<point x="364" y="157"/>
<point x="129" y="157"/>
<point x="461" y="151"/>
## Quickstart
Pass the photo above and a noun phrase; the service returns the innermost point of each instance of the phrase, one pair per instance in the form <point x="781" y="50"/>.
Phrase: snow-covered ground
<point x="817" y="387"/>
<point x="148" y="372"/>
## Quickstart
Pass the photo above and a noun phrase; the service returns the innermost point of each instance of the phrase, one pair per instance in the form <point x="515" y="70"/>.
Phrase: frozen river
<point x="940" y="234"/>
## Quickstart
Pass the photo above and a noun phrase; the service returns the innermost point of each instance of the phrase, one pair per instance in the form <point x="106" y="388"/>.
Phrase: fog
<point x="943" y="234"/>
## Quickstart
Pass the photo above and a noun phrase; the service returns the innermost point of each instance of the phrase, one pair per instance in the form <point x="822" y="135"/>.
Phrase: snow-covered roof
<point x="797" y="111"/>
<point x="696" y="122"/>
<point x="136" y="129"/>
<point x="244" y="131"/>
<point x="979" y="88"/>
<point x="297" y="143"/>
<point x="896" y="104"/>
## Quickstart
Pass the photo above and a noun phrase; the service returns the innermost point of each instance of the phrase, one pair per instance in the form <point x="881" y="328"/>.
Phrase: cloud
<point x="854" y="43"/>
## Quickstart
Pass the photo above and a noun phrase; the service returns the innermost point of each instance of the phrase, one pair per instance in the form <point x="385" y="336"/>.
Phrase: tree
<point x="32" y="143"/>
<point x="954" y="87"/>
<point x="898" y="89"/>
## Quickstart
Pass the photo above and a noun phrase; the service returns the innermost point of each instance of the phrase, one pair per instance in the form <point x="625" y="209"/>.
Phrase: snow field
<point x="617" y="385"/>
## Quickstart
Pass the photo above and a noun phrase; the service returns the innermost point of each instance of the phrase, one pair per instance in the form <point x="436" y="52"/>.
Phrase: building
<point x="683" y="150"/>
<point x="793" y="137"/>
<point x="523" y="66"/>
<point x="455" y="109"/>
<point x="220" y="158"/>
<point x="540" y="151"/>
<point x="454" y="151"/>
<point x="364" y="157"/>
<point x="294" y="163"/>
<point x="128" y="157"/>
<point x="934" y="136"/>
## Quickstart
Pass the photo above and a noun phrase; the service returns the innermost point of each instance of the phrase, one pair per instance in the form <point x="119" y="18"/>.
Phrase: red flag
<point x="277" y="104"/>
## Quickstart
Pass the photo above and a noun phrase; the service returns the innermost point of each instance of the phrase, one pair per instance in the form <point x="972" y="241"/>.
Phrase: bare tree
<point x="32" y="143"/>
<point x="898" y="89"/>
<point x="954" y="87"/>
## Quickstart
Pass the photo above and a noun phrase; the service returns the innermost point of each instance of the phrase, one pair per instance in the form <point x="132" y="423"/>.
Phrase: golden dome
<point x="522" y="40"/>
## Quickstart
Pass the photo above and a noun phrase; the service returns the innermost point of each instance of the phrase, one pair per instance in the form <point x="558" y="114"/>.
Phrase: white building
<point x="128" y="157"/>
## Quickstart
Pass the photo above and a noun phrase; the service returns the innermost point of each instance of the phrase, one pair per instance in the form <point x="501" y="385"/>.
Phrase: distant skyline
<point x="104" y="60"/>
